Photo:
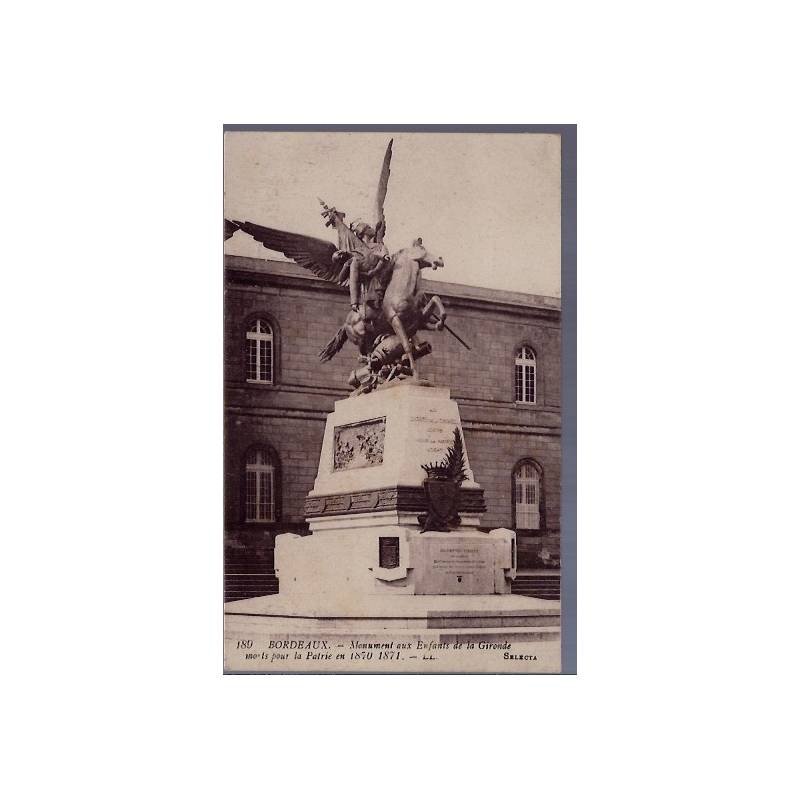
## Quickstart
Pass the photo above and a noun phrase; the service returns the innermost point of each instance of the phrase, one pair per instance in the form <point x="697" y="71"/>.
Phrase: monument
<point x="396" y="547"/>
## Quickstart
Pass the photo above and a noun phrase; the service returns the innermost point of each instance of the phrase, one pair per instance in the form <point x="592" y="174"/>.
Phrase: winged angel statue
<point x="387" y="307"/>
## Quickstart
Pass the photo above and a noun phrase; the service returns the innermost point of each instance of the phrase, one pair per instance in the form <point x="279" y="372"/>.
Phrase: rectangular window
<point x="260" y="499"/>
<point x="525" y="383"/>
<point x="527" y="498"/>
<point x="259" y="355"/>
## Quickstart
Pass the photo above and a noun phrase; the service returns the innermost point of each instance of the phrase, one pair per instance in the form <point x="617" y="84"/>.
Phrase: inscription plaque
<point x="434" y="430"/>
<point x="388" y="552"/>
<point x="359" y="444"/>
<point x="453" y="566"/>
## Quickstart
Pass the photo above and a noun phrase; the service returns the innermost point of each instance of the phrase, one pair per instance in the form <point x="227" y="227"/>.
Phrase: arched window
<point x="525" y="375"/>
<point x="260" y="488"/>
<point x="528" y="496"/>
<point x="260" y="352"/>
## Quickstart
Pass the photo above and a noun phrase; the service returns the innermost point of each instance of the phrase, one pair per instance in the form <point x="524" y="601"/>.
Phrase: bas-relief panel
<point x="359" y="444"/>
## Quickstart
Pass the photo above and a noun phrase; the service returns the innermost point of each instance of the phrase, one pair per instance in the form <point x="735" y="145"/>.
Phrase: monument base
<point x="384" y="558"/>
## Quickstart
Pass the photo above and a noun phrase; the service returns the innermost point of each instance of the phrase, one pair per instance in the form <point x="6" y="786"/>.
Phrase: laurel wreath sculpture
<point x="442" y="488"/>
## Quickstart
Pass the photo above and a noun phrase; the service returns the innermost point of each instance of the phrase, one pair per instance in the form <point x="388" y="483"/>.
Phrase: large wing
<point x="383" y="185"/>
<point x="312" y="254"/>
<point x="230" y="229"/>
<point x="333" y="346"/>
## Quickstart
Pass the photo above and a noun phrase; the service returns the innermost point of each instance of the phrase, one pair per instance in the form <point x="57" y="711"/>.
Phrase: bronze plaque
<point x="359" y="444"/>
<point x="388" y="552"/>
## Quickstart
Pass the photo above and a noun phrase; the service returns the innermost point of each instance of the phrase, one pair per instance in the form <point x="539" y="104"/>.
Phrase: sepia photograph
<point x="393" y="401"/>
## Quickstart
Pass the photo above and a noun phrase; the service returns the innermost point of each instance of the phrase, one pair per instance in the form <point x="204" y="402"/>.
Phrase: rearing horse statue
<point x="383" y="338"/>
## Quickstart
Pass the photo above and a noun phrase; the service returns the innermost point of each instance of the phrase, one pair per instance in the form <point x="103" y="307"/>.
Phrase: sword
<point x="451" y="331"/>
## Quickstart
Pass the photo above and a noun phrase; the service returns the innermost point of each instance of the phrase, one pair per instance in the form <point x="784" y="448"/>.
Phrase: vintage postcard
<point x="393" y="401"/>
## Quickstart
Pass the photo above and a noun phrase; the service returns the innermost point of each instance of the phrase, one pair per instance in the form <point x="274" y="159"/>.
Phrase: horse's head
<point x="420" y="254"/>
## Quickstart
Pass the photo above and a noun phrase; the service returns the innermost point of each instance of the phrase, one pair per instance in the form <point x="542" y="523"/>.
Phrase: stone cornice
<point x="409" y="499"/>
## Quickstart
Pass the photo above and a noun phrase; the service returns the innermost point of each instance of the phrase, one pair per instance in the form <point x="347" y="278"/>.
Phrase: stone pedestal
<point x="363" y="511"/>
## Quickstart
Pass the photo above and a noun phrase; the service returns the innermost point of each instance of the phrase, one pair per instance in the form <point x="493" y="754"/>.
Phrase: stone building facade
<point x="277" y="396"/>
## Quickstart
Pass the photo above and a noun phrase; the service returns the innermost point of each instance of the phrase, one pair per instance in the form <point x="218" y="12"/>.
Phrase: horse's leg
<point x="401" y="332"/>
<point x="435" y="304"/>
